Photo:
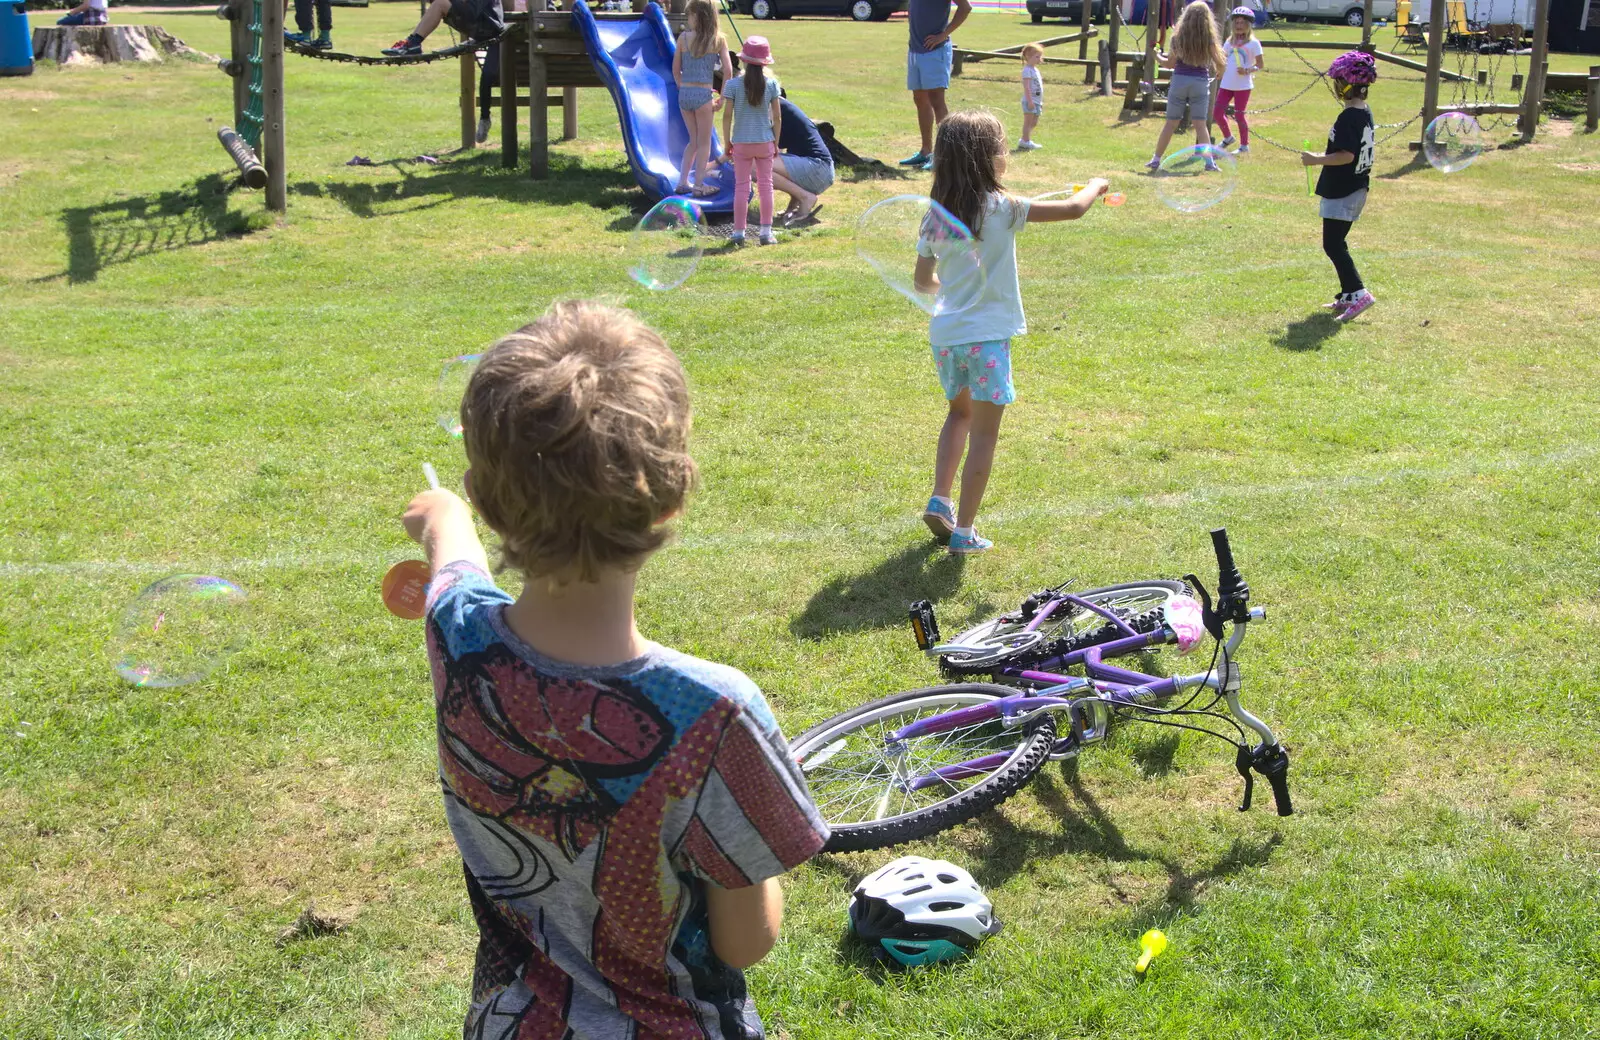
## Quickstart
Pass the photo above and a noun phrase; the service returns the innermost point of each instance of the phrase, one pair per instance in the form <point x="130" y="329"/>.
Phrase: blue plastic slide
<point x="632" y="55"/>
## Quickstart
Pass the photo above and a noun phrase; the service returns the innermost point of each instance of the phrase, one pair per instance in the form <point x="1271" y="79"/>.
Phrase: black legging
<point x="489" y="77"/>
<point x="302" y="15"/>
<point x="1333" y="236"/>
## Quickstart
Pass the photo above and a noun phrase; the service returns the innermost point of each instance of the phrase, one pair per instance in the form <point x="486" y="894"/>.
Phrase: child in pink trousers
<point x="750" y="122"/>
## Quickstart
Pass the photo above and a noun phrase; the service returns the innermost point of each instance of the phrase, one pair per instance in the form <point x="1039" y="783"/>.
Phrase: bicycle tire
<point x="1033" y="748"/>
<point x="1045" y="647"/>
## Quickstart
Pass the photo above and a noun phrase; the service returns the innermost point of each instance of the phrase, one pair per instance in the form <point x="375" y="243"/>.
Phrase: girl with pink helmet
<point x="1346" y="176"/>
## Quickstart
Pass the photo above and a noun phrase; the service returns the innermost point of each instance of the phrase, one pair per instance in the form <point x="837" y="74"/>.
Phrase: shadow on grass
<point x="1309" y="333"/>
<point x="879" y="597"/>
<point x="128" y="229"/>
<point x="481" y="176"/>
<point x="1087" y="827"/>
<point x="1417" y="162"/>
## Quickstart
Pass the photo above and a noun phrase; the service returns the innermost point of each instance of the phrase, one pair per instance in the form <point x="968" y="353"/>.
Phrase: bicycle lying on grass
<point x="917" y="763"/>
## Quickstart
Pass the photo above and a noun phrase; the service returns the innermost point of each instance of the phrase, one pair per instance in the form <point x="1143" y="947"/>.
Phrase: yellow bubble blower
<point x="1152" y="944"/>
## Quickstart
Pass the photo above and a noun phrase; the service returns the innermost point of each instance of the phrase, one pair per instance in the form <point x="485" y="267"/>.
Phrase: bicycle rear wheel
<point x="1003" y="641"/>
<point x="862" y="784"/>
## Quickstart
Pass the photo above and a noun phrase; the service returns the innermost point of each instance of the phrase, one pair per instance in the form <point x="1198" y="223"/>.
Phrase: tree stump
<point x="91" y="44"/>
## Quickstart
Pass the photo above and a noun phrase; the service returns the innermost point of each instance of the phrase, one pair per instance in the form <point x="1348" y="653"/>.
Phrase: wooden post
<point x="1430" y="85"/>
<point x="1366" y="24"/>
<point x="1083" y="44"/>
<point x="955" y="62"/>
<point x="1533" y="97"/>
<point x="1116" y="27"/>
<point x="239" y="38"/>
<point x="538" y="93"/>
<point x="272" y="106"/>
<point x="1152" y="19"/>
<point x="469" y="102"/>
<point x="569" y="113"/>
<point x="1106" y="78"/>
<point x="1591" y="120"/>
<point x="1135" y="74"/>
<point x="508" y="98"/>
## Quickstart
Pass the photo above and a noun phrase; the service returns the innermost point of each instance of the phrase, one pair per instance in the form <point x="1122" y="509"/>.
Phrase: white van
<point x="1350" y="12"/>
<point x="1484" y="12"/>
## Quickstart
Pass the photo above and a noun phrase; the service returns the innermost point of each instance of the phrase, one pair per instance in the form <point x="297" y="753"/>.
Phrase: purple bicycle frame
<point x="1107" y="680"/>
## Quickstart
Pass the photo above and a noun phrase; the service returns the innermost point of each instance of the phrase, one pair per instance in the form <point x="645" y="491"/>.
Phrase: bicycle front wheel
<point x="875" y="793"/>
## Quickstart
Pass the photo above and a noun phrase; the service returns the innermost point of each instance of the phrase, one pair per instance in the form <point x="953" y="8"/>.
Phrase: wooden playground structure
<point x="1447" y="25"/>
<point x="541" y="56"/>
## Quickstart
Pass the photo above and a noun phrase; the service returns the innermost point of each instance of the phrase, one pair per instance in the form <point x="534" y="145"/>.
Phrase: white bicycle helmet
<point x="921" y="911"/>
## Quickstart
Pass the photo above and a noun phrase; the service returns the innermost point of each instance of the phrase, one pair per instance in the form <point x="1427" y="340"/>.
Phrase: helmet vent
<point x="945" y="904"/>
<point x="919" y="888"/>
<point x="948" y="879"/>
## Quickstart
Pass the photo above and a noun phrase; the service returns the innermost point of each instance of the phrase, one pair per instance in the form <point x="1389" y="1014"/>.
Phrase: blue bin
<point x="16" y="42"/>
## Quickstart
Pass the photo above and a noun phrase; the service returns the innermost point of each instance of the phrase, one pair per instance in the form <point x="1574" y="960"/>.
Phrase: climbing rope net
<point x="251" y="121"/>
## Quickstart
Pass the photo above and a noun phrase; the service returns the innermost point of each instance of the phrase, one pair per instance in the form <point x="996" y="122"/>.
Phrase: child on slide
<point x="1196" y="57"/>
<point x="1346" y="175"/>
<point x="701" y="53"/>
<point x="1243" y="58"/>
<point x="972" y="347"/>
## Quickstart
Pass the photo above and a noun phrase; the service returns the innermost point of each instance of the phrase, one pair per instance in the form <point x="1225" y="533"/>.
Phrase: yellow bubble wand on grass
<point x="1153" y="943"/>
<point x="1309" y="189"/>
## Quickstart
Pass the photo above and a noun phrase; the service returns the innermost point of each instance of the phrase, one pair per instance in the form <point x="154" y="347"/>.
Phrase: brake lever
<point x="1208" y="617"/>
<point x="1242" y="762"/>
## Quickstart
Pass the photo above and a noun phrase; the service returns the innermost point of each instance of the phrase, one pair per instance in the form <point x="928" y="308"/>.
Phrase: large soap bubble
<point x="178" y="630"/>
<point x="895" y="233"/>
<point x="1452" y="141"/>
<point x="1196" y="178"/>
<point x="664" y="250"/>
<point x="453" y="380"/>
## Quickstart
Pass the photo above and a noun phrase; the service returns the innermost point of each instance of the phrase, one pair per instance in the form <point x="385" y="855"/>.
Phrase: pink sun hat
<point x="756" y="51"/>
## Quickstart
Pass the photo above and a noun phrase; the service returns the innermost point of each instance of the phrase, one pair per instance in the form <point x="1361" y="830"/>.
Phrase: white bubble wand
<point x="433" y="477"/>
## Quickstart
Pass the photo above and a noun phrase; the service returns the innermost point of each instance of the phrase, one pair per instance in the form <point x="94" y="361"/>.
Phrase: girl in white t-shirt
<point x="972" y="345"/>
<point x="1243" y="52"/>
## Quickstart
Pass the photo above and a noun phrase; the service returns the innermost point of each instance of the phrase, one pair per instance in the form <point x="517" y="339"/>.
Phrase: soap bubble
<point x="665" y="248"/>
<point x="1196" y="178"/>
<point x="178" y="630"/>
<point x="453" y="380"/>
<point x="894" y="233"/>
<point x="1452" y="141"/>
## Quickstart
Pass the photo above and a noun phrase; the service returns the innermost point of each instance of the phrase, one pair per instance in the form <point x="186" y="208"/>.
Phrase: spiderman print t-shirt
<point x="590" y="806"/>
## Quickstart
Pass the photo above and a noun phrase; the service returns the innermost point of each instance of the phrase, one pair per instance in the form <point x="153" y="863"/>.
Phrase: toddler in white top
<point x="1032" y="95"/>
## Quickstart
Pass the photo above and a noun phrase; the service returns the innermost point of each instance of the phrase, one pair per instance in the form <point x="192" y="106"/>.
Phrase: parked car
<point x="1071" y="10"/>
<point x="1350" y="12"/>
<point x="860" y="10"/>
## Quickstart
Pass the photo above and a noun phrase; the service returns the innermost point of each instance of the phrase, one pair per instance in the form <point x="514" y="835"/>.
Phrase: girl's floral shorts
<point x="982" y="368"/>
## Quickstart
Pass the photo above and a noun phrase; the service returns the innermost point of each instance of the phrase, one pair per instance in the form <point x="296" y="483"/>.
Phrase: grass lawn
<point x="189" y="386"/>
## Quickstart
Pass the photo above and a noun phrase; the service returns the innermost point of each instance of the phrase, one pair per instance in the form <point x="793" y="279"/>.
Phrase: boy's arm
<point x="1326" y="159"/>
<point x="1068" y="209"/>
<point x="744" y="921"/>
<point x="442" y="524"/>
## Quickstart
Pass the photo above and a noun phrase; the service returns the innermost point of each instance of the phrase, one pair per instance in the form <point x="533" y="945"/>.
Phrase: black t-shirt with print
<point x="1352" y="132"/>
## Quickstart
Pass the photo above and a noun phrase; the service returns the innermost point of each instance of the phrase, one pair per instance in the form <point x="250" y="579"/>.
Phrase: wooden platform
<point x="540" y="52"/>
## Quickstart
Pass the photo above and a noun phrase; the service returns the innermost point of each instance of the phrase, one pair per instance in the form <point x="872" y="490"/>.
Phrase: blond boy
<point x="623" y="811"/>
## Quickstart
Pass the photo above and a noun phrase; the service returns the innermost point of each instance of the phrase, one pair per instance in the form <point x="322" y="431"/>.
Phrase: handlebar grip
<point x="1219" y="542"/>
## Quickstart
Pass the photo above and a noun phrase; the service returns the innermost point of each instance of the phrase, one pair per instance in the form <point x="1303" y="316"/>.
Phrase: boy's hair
<point x="1195" y="40"/>
<point x="964" y="177"/>
<point x="576" y="429"/>
<point x="702" y="21"/>
<point x="1030" y="49"/>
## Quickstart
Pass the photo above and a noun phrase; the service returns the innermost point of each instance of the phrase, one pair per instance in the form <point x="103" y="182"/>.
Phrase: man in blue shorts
<point x="928" y="67"/>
